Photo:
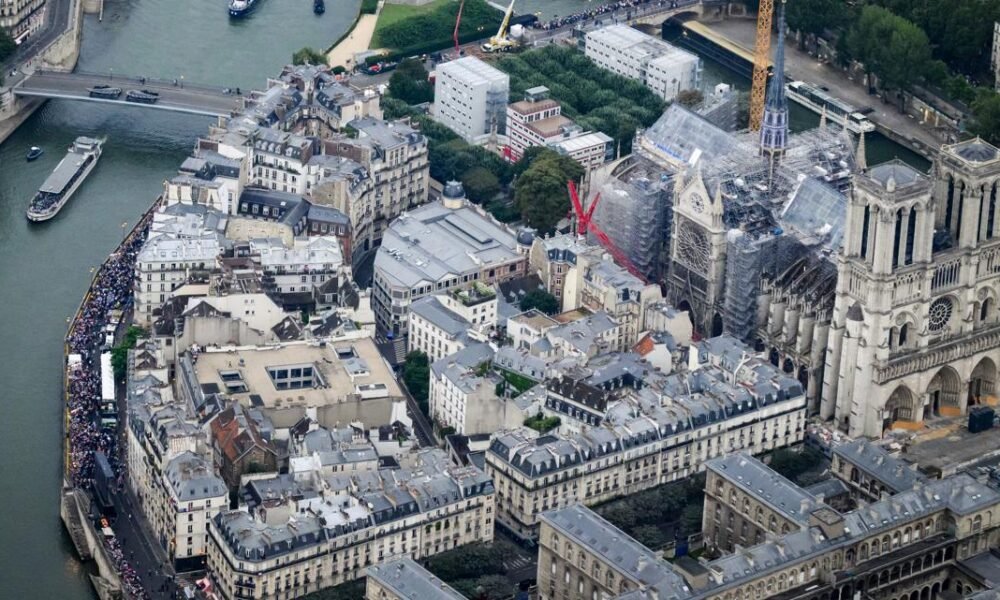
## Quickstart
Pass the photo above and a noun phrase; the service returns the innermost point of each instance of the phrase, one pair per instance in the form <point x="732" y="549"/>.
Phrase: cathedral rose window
<point x="940" y="314"/>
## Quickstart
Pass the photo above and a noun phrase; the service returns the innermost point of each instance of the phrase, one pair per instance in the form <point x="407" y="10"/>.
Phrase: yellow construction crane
<point x="502" y="42"/>
<point x="761" y="58"/>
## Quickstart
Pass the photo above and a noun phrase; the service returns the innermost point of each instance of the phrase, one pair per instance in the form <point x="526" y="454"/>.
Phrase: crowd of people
<point x="111" y="290"/>
<point x="601" y="10"/>
<point x="129" y="576"/>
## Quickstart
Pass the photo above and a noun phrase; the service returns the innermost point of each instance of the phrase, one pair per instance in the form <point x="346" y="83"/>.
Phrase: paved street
<point x="149" y="561"/>
<point x="800" y="66"/>
<point x="57" y="14"/>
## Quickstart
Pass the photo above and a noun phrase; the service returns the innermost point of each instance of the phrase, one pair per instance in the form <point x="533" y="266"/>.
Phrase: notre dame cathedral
<point x="876" y="287"/>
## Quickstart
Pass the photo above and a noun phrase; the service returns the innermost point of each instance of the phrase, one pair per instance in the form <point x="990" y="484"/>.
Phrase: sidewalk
<point x="800" y="66"/>
<point x="357" y="41"/>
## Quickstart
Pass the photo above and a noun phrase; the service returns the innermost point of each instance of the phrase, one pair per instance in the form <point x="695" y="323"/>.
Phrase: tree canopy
<point x="434" y="28"/>
<point x="417" y="377"/>
<point x="480" y="185"/>
<point x="597" y="99"/>
<point x="540" y="300"/>
<point x="540" y="192"/>
<point x="310" y="56"/>
<point x="816" y="16"/>
<point x="986" y="111"/>
<point x="889" y="46"/>
<point x="409" y="83"/>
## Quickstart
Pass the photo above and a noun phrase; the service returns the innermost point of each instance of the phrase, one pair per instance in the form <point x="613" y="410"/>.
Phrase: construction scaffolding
<point x="775" y="217"/>
<point x="635" y="212"/>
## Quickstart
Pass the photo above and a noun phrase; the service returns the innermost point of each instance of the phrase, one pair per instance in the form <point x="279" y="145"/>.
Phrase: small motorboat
<point x="319" y="7"/>
<point x="34" y="153"/>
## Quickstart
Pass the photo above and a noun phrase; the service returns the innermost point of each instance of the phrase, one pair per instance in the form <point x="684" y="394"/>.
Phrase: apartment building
<point x="470" y="98"/>
<point x="21" y="17"/>
<point x="404" y="579"/>
<point x="321" y="531"/>
<point x="170" y="472"/>
<point x="626" y="427"/>
<point x="443" y="324"/>
<point x="537" y="120"/>
<point x="663" y="68"/>
<point x="870" y="472"/>
<point x="172" y="254"/>
<point x="932" y="541"/>
<point x="735" y="514"/>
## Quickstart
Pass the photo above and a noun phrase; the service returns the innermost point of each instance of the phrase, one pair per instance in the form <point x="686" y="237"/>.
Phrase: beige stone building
<point x="404" y="579"/>
<point x="737" y="514"/>
<point x="651" y="430"/>
<point x="308" y="534"/>
<point x="930" y="542"/>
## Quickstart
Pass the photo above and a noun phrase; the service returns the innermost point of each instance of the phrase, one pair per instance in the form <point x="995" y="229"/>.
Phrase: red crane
<point x="458" y="22"/>
<point x="585" y="223"/>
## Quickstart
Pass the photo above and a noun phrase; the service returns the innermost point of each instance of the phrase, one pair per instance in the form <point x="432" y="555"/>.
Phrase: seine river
<point x="45" y="269"/>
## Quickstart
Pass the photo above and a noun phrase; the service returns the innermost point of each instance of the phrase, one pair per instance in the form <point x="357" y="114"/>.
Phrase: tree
<point x="986" y="116"/>
<point x="540" y="300"/>
<point x="416" y="376"/>
<point x="691" y="519"/>
<point x="409" y="83"/>
<point x="468" y="562"/>
<point x="308" y="56"/>
<point x="352" y="590"/>
<point x="816" y="16"/>
<point x="541" y="193"/>
<point x="690" y="98"/>
<point x="7" y="45"/>
<point x="119" y="354"/>
<point x="487" y="587"/>
<point x="793" y="464"/>
<point x="891" y="47"/>
<point x="480" y="185"/>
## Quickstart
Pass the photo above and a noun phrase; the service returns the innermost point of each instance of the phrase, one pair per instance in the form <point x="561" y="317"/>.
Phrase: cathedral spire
<point x="774" y="129"/>
<point x="860" y="156"/>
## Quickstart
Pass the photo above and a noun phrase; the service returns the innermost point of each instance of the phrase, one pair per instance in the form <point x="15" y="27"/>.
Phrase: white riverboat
<point x="68" y="175"/>
<point x="838" y="111"/>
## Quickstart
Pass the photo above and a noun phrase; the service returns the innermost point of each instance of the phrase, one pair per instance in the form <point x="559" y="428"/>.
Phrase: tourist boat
<point x="241" y="8"/>
<point x="319" y="7"/>
<point x="105" y="91"/>
<point x="34" y="153"/>
<point x="142" y="96"/>
<point x="838" y="111"/>
<point x="71" y="171"/>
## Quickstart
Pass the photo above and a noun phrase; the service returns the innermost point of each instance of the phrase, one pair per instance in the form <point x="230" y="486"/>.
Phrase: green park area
<point x="407" y="30"/>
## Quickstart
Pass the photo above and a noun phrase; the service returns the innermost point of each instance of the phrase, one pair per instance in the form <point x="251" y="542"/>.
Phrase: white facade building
<point x="444" y="324"/>
<point x="663" y="68"/>
<point x="164" y="264"/>
<point x="470" y="98"/>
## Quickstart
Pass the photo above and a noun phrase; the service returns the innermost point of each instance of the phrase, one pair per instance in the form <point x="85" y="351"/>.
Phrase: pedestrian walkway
<point x="800" y="65"/>
<point x="357" y="41"/>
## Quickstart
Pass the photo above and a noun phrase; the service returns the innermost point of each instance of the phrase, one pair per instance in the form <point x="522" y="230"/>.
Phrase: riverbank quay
<point x="55" y="47"/>
<point x="901" y="128"/>
<point x="93" y="535"/>
<point x="355" y="40"/>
